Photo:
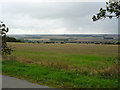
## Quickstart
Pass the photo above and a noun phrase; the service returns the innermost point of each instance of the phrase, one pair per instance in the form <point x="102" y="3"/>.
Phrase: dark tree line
<point x="12" y="39"/>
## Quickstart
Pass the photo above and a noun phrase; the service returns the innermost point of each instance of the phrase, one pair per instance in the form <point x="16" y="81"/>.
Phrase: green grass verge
<point x="56" y="77"/>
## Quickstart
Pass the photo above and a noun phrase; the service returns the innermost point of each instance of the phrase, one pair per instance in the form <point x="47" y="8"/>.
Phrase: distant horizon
<point x="70" y="34"/>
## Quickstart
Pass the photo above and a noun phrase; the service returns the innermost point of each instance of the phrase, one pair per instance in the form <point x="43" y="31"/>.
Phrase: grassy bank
<point x="57" y="77"/>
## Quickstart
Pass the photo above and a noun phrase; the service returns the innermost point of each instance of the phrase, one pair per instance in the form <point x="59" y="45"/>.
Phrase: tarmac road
<point x="10" y="82"/>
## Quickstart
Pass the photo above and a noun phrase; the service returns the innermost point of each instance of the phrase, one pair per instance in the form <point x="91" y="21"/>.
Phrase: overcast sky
<point x="55" y="18"/>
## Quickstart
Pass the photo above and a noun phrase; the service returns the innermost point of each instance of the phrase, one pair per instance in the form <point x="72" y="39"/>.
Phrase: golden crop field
<point x="89" y="49"/>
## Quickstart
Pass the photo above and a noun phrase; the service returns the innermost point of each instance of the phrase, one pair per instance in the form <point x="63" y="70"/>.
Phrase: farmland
<point x="64" y="65"/>
<point x="68" y="38"/>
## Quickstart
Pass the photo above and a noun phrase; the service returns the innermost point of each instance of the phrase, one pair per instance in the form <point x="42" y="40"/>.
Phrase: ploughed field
<point x="64" y="65"/>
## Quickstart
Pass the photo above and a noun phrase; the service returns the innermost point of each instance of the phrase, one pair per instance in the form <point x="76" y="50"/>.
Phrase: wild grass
<point x="56" y="77"/>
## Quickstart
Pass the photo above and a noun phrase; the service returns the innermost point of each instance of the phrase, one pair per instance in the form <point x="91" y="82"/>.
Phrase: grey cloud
<point x="52" y="10"/>
<point x="68" y="17"/>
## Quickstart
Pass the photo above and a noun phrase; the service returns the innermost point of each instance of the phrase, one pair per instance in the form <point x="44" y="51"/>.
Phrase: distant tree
<point x="12" y="39"/>
<point x="118" y="42"/>
<point x="38" y="41"/>
<point x="112" y="10"/>
<point x="3" y="30"/>
<point x="62" y="42"/>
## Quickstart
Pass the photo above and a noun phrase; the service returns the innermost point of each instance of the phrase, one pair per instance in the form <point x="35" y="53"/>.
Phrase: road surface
<point x="10" y="82"/>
